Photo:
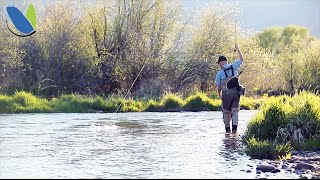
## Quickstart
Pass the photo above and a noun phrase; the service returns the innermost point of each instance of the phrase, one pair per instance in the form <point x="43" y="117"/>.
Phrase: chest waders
<point x="230" y="103"/>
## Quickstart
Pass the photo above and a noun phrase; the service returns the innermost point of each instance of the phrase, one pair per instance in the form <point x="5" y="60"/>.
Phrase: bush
<point x="265" y="124"/>
<point x="313" y="143"/>
<point x="172" y="102"/>
<point x="286" y="120"/>
<point x="266" y="149"/>
<point x="131" y="106"/>
<point x="213" y="95"/>
<point x="25" y="102"/>
<point x="249" y="103"/>
<point x="5" y="104"/>
<point x="73" y="103"/>
<point x="153" y="106"/>
<point x="304" y="123"/>
<point x="199" y="102"/>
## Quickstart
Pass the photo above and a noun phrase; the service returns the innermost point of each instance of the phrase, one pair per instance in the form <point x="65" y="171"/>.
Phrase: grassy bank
<point x="284" y="124"/>
<point x="24" y="102"/>
<point x="281" y="125"/>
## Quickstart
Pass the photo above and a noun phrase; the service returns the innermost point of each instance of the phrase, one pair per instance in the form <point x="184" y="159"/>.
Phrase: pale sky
<point x="260" y="14"/>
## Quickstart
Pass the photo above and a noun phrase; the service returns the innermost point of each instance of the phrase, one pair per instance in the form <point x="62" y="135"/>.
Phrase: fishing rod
<point x="132" y="85"/>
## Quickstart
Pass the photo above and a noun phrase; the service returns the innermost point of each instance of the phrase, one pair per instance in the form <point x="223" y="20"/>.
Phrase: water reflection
<point x="231" y="142"/>
<point x="231" y="147"/>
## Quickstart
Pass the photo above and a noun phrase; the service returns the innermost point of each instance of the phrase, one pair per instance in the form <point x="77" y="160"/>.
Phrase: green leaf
<point x="31" y="15"/>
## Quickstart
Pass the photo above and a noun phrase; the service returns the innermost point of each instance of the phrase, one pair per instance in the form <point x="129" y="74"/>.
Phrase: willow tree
<point x="63" y="63"/>
<point x="11" y="54"/>
<point x="129" y="36"/>
<point x="213" y="34"/>
<point x="290" y="47"/>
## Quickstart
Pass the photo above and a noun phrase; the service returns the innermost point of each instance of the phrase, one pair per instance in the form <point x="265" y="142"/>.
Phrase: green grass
<point x="282" y="123"/>
<point x="284" y="120"/>
<point x="131" y="106"/>
<point x="264" y="149"/>
<point x="171" y="103"/>
<point x="200" y="102"/>
<point x="26" y="102"/>
<point x="6" y="105"/>
<point x="153" y="106"/>
<point x="251" y="103"/>
<point x="313" y="143"/>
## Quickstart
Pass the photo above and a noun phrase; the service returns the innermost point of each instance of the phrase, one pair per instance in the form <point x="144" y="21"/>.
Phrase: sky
<point x="257" y="15"/>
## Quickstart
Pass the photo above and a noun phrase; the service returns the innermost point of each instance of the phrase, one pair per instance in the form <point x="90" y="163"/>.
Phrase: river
<point x="125" y="145"/>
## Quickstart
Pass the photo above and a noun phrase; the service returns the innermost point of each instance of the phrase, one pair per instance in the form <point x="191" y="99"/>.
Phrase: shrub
<point x="172" y="102"/>
<point x="266" y="149"/>
<point x="153" y="106"/>
<point x="265" y="124"/>
<point x="199" y="102"/>
<point x="5" y="104"/>
<point x="73" y="103"/>
<point x="131" y="106"/>
<point x="27" y="103"/>
<point x="287" y="121"/>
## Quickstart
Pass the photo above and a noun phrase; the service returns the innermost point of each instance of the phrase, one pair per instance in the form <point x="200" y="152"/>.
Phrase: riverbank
<point x="24" y="102"/>
<point x="282" y="125"/>
<point x="286" y="129"/>
<point x="305" y="164"/>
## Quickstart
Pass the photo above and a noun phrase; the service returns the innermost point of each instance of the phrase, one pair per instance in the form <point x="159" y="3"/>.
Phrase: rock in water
<point x="304" y="166"/>
<point x="265" y="168"/>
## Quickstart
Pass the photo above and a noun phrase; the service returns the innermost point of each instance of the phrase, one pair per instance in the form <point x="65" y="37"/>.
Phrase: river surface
<point x="125" y="145"/>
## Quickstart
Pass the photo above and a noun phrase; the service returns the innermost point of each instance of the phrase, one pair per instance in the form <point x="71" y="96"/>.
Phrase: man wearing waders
<point x="230" y="97"/>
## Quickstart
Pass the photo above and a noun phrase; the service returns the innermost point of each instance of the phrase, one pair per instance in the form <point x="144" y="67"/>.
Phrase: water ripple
<point x="122" y="145"/>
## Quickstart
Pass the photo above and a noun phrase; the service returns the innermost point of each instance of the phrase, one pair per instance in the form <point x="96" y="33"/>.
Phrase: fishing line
<point x="235" y="33"/>
<point x="132" y="85"/>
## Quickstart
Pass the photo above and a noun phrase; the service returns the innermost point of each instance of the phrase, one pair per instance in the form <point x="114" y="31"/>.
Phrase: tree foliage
<point x="148" y="47"/>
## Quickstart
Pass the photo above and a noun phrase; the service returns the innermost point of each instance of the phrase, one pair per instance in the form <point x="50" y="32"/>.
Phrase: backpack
<point x="234" y="81"/>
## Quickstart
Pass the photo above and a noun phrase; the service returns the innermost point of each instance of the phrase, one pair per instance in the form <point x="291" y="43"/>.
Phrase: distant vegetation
<point x="98" y="49"/>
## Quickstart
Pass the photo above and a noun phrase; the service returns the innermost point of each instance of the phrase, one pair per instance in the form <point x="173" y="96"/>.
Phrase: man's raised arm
<point x="239" y="52"/>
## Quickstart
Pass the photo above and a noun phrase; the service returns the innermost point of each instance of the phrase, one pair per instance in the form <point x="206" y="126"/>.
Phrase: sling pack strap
<point x="225" y="70"/>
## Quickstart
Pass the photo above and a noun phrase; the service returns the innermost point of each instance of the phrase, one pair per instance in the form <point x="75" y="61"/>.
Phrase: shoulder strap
<point x="226" y="69"/>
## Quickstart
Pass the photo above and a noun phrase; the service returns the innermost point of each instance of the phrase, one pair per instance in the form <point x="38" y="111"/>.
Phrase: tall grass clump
<point x="265" y="123"/>
<point x="6" y="104"/>
<point x="199" y="102"/>
<point x="172" y="102"/>
<point x="153" y="106"/>
<point x="73" y="103"/>
<point x="250" y="103"/>
<point x="111" y="103"/>
<point x="129" y="105"/>
<point x="213" y="95"/>
<point x="285" y="120"/>
<point x="304" y="120"/>
<point x="99" y="104"/>
<point x="313" y="143"/>
<point x="264" y="149"/>
<point x="24" y="102"/>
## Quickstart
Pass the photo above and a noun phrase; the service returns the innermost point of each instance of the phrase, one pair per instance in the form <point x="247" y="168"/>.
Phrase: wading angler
<point x="229" y="89"/>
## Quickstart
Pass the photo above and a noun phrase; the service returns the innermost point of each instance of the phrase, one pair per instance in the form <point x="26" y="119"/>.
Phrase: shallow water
<point x="124" y="145"/>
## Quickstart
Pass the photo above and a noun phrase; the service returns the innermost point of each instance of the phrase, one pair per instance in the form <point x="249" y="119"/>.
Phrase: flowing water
<point x="124" y="145"/>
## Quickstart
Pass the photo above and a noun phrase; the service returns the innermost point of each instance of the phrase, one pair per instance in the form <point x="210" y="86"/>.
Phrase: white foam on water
<point x="100" y="127"/>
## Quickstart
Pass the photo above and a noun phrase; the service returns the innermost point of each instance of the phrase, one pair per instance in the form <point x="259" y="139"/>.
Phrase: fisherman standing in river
<point x="229" y="90"/>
